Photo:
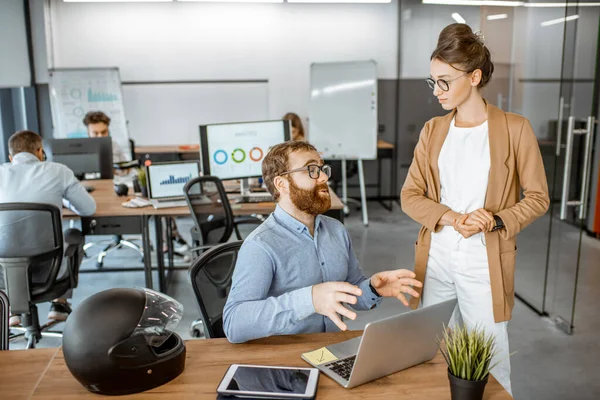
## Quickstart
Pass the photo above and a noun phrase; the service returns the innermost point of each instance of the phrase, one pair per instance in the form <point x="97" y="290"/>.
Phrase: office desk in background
<point x="385" y="150"/>
<point x="111" y="218"/>
<point x="207" y="360"/>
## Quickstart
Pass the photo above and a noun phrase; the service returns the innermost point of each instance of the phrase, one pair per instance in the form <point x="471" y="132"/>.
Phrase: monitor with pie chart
<point x="236" y="150"/>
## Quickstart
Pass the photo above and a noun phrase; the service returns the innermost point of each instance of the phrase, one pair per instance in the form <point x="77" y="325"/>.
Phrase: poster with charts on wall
<point x="74" y="92"/>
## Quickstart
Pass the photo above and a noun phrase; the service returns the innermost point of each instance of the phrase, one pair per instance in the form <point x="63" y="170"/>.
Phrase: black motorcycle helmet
<point x="120" y="341"/>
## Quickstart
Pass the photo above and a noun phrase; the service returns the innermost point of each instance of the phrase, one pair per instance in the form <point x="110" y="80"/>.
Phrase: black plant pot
<point x="462" y="389"/>
<point x="144" y="191"/>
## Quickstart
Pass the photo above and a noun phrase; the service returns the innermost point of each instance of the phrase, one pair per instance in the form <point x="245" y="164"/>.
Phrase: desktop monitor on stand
<point x="236" y="150"/>
<point x="88" y="158"/>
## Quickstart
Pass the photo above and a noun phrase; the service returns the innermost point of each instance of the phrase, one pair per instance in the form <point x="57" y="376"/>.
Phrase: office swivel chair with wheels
<point x="214" y="222"/>
<point x="118" y="241"/>
<point x="210" y="276"/>
<point x="31" y="255"/>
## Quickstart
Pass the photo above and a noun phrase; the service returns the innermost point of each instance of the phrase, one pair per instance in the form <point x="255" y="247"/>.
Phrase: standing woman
<point x="463" y="187"/>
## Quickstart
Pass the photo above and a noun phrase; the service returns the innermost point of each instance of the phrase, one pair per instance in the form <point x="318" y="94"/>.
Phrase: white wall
<point x="205" y="41"/>
<point x="421" y="26"/>
<point x="14" y="60"/>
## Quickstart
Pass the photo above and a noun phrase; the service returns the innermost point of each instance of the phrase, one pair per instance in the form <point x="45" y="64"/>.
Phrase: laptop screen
<point x="168" y="179"/>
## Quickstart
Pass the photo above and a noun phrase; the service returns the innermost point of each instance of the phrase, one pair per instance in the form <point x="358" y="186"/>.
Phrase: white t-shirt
<point x="464" y="165"/>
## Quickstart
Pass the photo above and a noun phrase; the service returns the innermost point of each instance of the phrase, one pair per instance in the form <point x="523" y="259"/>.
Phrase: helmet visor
<point x="160" y="317"/>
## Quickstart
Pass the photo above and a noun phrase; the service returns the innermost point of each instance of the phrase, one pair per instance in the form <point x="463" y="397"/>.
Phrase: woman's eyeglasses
<point x="443" y="84"/>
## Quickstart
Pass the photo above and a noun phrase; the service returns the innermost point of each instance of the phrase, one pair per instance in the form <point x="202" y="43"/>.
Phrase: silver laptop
<point x="388" y="345"/>
<point x="165" y="183"/>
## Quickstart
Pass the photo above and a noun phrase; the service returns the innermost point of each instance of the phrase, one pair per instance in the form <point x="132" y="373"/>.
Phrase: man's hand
<point x="395" y="283"/>
<point x="327" y="298"/>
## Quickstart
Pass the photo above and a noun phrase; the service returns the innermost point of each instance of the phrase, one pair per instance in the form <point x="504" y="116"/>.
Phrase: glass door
<point x="576" y="128"/>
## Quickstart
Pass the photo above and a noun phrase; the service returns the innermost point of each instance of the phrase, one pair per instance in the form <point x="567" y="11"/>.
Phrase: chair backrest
<point x="31" y="250"/>
<point x="132" y="148"/>
<point x="336" y="169"/>
<point x="4" y="320"/>
<point x="213" y="219"/>
<point x="210" y="275"/>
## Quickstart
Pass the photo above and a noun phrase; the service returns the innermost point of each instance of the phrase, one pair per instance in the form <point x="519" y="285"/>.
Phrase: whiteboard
<point x="343" y="109"/>
<point x="74" y="92"/>
<point x="171" y="113"/>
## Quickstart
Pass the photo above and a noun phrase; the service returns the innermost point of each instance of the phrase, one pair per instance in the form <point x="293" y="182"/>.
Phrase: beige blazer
<point x="516" y="163"/>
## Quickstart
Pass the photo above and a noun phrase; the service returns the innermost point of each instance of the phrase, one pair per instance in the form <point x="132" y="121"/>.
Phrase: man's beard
<point x="310" y="201"/>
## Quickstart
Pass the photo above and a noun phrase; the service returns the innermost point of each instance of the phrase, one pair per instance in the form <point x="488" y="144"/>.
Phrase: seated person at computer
<point x="98" y="125"/>
<point x="296" y="270"/>
<point x="297" y="127"/>
<point x="28" y="178"/>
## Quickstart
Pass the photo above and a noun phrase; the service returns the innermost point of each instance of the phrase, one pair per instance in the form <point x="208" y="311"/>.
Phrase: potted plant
<point x="141" y="181"/>
<point x="468" y="354"/>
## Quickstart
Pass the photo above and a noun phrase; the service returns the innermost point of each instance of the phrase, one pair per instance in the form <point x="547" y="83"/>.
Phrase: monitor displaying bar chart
<point x="166" y="180"/>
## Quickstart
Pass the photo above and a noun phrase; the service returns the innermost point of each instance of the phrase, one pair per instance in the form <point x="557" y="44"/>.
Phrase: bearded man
<point x="296" y="272"/>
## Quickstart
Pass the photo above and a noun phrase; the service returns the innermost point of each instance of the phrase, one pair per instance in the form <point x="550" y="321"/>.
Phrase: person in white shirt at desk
<point x="97" y="124"/>
<point x="28" y="178"/>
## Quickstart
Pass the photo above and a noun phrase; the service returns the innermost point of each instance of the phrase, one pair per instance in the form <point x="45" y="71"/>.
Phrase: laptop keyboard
<point x="342" y="367"/>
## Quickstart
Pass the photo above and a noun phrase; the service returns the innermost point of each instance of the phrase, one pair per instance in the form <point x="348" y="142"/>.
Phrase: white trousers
<point x="460" y="270"/>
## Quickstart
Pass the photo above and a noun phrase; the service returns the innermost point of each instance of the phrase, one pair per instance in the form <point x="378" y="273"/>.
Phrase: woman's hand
<point x="482" y="218"/>
<point x="467" y="229"/>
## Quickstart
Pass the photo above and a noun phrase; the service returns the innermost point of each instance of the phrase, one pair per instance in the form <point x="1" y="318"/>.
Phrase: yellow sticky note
<point x="320" y="356"/>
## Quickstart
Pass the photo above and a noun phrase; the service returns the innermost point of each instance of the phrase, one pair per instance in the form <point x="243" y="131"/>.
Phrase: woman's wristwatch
<point x="499" y="223"/>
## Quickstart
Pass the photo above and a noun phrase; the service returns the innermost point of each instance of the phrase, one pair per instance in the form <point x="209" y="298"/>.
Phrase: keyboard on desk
<point x="342" y="367"/>
<point x="256" y="198"/>
<point x="168" y="203"/>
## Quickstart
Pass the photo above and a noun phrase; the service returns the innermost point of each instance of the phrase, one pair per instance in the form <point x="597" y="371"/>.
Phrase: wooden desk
<point x="22" y="370"/>
<point x="207" y="361"/>
<point x="383" y="145"/>
<point x="183" y="148"/>
<point x="112" y="218"/>
<point x="192" y="152"/>
<point x="108" y="204"/>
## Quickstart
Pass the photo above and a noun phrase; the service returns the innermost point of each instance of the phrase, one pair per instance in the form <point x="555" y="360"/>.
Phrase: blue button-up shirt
<point x="276" y="268"/>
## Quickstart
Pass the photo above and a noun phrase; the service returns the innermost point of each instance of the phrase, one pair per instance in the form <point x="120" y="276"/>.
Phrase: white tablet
<point x="269" y="382"/>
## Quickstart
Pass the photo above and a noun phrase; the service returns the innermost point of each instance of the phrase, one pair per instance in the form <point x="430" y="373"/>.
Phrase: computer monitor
<point x="166" y="180"/>
<point x="88" y="158"/>
<point x="236" y="150"/>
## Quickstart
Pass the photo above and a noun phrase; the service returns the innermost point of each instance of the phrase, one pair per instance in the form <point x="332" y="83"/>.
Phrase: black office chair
<point x="211" y="211"/>
<point x="118" y="241"/>
<point x="210" y="275"/>
<point x="4" y="320"/>
<point x="31" y="254"/>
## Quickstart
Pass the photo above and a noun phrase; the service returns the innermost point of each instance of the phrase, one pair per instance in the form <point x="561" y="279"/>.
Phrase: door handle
<point x="561" y="106"/>
<point x="571" y="132"/>
<point x="567" y="170"/>
<point x="585" y="181"/>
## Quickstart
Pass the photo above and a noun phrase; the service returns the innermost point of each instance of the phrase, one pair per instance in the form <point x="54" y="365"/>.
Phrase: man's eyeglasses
<point x="443" y="84"/>
<point x="314" y="170"/>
